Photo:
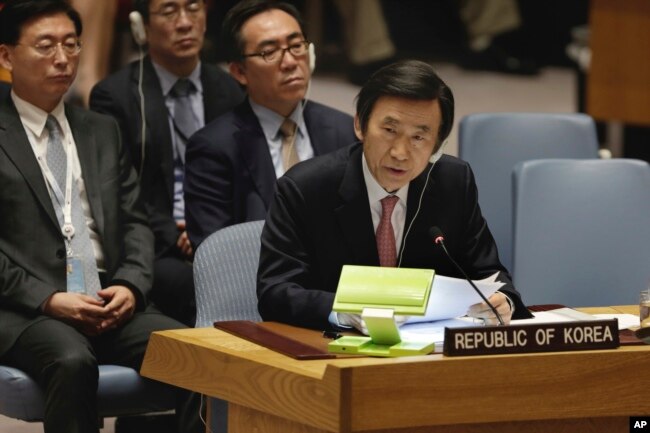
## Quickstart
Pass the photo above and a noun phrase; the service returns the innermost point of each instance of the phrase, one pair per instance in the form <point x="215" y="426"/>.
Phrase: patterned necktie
<point x="385" y="234"/>
<point x="184" y="118"/>
<point x="185" y="124"/>
<point x="80" y="244"/>
<point x="289" y="152"/>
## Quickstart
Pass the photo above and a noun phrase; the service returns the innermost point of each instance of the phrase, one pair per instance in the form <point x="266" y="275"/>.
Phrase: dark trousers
<point x="64" y="363"/>
<point x="173" y="289"/>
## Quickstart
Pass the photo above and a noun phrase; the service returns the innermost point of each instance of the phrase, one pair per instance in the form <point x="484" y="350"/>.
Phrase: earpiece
<point x="137" y="28"/>
<point x="432" y="159"/>
<point x="312" y="57"/>
<point x="437" y="154"/>
<point x="140" y="37"/>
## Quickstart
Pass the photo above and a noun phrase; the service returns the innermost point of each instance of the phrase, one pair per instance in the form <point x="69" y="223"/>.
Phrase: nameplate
<point x="542" y="337"/>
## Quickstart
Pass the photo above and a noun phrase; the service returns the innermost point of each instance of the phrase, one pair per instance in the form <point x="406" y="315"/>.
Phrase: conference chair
<point x="225" y="274"/>
<point x="225" y="280"/>
<point x="494" y="142"/>
<point x="581" y="231"/>
<point x="121" y="391"/>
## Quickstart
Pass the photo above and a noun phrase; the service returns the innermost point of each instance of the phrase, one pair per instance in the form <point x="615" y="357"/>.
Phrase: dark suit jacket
<point x="230" y="177"/>
<point x="5" y="88"/>
<point x="32" y="249"/>
<point x="118" y="96"/>
<point x="320" y="220"/>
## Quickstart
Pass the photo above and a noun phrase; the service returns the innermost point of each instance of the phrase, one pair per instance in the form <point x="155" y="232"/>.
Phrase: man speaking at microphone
<point x="373" y="203"/>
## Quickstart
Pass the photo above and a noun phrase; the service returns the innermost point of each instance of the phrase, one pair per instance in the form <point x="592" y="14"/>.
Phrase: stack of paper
<point x="452" y="297"/>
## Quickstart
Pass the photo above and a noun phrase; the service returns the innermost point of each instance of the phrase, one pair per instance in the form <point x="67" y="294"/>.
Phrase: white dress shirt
<point x="33" y="120"/>
<point x="375" y="194"/>
<point x="271" y="122"/>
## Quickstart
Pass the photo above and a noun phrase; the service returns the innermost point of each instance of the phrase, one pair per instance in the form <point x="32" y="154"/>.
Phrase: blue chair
<point x="225" y="280"/>
<point x="494" y="142"/>
<point x="121" y="391"/>
<point x="225" y="274"/>
<point x="582" y="231"/>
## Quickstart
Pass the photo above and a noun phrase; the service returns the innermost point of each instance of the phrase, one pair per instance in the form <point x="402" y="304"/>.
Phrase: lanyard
<point x="64" y="201"/>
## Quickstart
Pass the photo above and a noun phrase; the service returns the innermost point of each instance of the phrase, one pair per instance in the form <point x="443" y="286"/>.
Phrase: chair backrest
<point x="225" y="270"/>
<point x="582" y="231"/>
<point x="493" y="143"/>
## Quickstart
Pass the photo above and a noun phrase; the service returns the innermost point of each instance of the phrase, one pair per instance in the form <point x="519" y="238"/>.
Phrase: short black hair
<point x="410" y="79"/>
<point x="16" y="13"/>
<point x="142" y="6"/>
<point x="231" y="38"/>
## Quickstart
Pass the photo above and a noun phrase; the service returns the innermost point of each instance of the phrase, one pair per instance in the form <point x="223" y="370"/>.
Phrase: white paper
<point x="558" y="315"/>
<point x="452" y="297"/>
<point x="433" y="331"/>
<point x="625" y="321"/>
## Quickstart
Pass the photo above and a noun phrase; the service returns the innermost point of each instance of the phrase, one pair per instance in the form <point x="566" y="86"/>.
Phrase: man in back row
<point x="179" y="95"/>
<point x="76" y="251"/>
<point x="232" y="164"/>
<point x="373" y="204"/>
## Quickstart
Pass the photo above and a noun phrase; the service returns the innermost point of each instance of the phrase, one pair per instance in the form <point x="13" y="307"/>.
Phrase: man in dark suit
<point x="373" y="204"/>
<point x="175" y="31"/>
<point x="233" y="163"/>
<point x="76" y="252"/>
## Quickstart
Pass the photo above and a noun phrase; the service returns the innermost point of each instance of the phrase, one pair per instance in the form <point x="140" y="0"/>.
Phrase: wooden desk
<point x="618" y="88"/>
<point x="589" y="391"/>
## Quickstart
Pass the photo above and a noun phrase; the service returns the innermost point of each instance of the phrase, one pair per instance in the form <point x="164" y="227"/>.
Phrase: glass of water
<point x="644" y="308"/>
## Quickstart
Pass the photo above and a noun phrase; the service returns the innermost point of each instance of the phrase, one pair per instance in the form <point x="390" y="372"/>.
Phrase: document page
<point x="451" y="297"/>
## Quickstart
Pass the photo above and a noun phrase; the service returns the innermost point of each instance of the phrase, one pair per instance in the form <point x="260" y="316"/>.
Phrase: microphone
<point x="438" y="238"/>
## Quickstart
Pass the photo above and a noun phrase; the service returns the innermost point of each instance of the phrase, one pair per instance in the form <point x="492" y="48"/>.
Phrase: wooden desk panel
<point x="568" y="391"/>
<point x="618" y="82"/>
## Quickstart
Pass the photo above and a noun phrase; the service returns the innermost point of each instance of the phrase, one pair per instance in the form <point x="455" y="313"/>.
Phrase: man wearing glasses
<point x="178" y="95"/>
<point x="232" y="164"/>
<point x="76" y="251"/>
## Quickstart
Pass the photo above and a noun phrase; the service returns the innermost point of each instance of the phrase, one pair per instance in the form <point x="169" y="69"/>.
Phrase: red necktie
<point x="385" y="234"/>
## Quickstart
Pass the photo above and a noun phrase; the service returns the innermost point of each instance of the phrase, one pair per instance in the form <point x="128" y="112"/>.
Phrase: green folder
<point x="383" y="293"/>
<point x="404" y="290"/>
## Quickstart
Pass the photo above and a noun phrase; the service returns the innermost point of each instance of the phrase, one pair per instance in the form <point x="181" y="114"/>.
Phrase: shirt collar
<point x="271" y="121"/>
<point x="34" y="118"/>
<point x="375" y="191"/>
<point x="167" y="79"/>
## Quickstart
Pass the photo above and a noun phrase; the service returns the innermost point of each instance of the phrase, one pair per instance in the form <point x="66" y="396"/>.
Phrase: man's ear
<point x="238" y="73"/>
<point x="5" y="57"/>
<point x="357" y="128"/>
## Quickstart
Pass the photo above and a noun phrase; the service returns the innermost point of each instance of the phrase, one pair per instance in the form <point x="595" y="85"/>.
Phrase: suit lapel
<point x="15" y="143"/>
<point x="353" y="215"/>
<point x="159" y="139"/>
<point x="254" y="149"/>
<point x="87" y="151"/>
<point x="322" y="133"/>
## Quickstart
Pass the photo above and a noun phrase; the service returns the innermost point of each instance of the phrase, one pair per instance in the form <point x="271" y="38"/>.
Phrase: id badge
<point x="75" y="275"/>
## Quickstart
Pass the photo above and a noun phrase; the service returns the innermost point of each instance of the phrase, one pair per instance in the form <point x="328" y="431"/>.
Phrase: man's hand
<point x="81" y="311"/>
<point x="183" y="242"/>
<point x="483" y="311"/>
<point x="119" y="308"/>
<point x="355" y="320"/>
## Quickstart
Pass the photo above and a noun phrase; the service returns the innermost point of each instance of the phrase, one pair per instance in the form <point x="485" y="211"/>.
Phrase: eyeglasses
<point x="275" y="55"/>
<point x="172" y="12"/>
<point x="70" y="47"/>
